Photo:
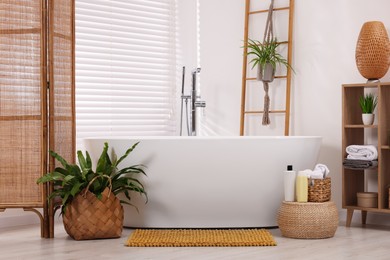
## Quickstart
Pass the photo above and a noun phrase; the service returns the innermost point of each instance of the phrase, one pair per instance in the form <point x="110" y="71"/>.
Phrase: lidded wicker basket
<point x="87" y="217"/>
<point x="373" y="50"/>
<point x="319" y="190"/>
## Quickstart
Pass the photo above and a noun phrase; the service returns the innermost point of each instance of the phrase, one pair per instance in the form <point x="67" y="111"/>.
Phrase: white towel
<point x="316" y="175"/>
<point x="321" y="170"/>
<point x="313" y="174"/>
<point x="362" y="152"/>
<point x="306" y="172"/>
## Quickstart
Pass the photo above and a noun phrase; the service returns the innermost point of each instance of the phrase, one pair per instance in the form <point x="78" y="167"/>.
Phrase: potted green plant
<point x="368" y="103"/>
<point x="266" y="57"/>
<point x="90" y="206"/>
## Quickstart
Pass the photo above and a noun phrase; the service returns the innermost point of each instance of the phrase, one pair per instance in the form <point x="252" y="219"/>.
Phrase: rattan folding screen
<point x="37" y="110"/>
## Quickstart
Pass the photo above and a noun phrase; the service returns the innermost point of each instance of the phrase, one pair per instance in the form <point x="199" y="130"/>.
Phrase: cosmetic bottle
<point x="301" y="187"/>
<point x="289" y="184"/>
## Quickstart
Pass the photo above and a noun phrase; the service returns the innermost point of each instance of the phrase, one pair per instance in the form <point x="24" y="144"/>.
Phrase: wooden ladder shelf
<point x="245" y="78"/>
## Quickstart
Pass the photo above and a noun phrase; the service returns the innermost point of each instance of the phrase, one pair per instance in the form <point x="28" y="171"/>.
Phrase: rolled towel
<point x="362" y="152"/>
<point x="323" y="169"/>
<point x="316" y="175"/>
<point x="313" y="174"/>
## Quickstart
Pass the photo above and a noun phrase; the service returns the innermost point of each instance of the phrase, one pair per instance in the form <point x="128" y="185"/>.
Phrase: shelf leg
<point x="349" y="217"/>
<point x="364" y="217"/>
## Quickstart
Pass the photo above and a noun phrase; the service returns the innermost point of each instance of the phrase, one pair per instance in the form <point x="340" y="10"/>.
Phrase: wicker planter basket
<point x="308" y="220"/>
<point x="87" y="217"/>
<point x="319" y="190"/>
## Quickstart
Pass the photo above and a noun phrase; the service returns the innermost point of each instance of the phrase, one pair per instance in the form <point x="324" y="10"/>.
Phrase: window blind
<point x="125" y="68"/>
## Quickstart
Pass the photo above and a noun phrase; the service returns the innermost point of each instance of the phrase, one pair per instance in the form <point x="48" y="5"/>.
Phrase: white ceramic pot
<point x="368" y="119"/>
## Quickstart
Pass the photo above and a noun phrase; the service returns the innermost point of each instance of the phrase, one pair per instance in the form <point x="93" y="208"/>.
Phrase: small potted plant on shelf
<point x="266" y="57"/>
<point x="368" y="103"/>
<point x="90" y="206"/>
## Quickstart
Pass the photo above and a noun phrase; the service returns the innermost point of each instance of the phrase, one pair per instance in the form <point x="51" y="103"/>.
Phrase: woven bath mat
<point x="200" y="237"/>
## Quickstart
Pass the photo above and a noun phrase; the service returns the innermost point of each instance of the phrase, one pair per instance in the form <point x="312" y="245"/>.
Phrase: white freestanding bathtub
<point x="210" y="182"/>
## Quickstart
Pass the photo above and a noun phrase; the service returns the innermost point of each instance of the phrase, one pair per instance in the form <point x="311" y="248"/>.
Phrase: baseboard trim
<point x="29" y="218"/>
<point x="19" y="220"/>
<point x="18" y="217"/>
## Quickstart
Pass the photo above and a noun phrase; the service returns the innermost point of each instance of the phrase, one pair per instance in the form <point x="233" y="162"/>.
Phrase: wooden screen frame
<point x="47" y="110"/>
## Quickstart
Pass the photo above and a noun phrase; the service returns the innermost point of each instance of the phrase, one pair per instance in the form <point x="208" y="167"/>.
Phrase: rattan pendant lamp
<point x="373" y="51"/>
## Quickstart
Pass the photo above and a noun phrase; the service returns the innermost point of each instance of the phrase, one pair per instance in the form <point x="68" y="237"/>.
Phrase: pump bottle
<point x="289" y="184"/>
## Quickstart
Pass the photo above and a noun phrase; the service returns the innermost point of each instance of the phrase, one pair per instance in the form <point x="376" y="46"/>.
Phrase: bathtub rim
<point x="200" y="137"/>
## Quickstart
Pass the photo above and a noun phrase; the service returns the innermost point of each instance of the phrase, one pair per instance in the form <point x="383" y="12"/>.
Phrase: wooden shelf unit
<point x="354" y="132"/>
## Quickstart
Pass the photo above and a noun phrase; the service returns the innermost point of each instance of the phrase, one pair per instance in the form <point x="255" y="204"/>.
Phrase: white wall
<point x="221" y="34"/>
<point x="324" y="41"/>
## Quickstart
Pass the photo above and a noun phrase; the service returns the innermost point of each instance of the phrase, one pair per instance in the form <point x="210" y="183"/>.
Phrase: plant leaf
<point x="131" y="169"/>
<point x="101" y="164"/>
<point x="128" y="203"/>
<point x="74" y="170"/>
<point x="109" y="168"/>
<point x="124" y="182"/>
<point x="88" y="160"/>
<point x="82" y="161"/>
<point x="67" y="178"/>
<point x="368" y="103"/>
<point x="126" y="154"/>
<point x="59" y="158"/>
<point x="76" y="189"/>
<point x="51" y="176"/>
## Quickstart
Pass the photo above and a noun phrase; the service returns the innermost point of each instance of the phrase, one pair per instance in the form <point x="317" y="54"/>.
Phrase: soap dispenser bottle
<point x="302" y="187"/>
<point x="289" y="184"/>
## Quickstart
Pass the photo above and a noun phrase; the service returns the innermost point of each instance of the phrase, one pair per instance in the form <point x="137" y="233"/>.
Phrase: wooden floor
<point x="370" y="242"/>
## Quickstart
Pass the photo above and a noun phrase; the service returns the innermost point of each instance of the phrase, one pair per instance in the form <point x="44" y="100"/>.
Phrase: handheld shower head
<point x="182" y="80"/>
<point x="197" y="70"/>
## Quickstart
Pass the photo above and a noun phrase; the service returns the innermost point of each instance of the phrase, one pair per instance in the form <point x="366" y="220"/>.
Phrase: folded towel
<point x="359" y="164"/>
<point x="362" y="152"/>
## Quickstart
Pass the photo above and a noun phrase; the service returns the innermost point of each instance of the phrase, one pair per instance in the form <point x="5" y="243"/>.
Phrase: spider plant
<point x="265" y="53"/>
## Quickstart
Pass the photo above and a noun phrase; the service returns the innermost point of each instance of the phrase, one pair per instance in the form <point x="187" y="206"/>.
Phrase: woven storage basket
<point x="373" y="50"/>
<point x="308" y="220"/>
<point x="87" y="217"/>
<point x="319" y="190"/>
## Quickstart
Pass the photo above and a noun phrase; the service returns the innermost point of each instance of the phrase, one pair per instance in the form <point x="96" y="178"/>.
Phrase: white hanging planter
<point x="266" y="73"/>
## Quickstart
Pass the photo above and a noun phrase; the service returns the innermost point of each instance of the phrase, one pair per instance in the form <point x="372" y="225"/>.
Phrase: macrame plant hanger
<point x="247" y="113"/>
<point x="268" y="37"/>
